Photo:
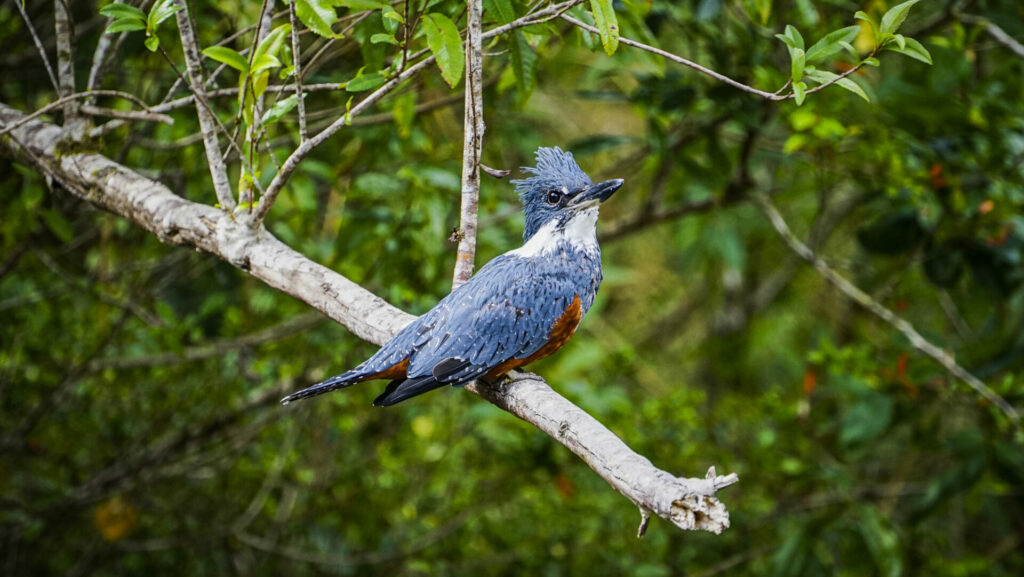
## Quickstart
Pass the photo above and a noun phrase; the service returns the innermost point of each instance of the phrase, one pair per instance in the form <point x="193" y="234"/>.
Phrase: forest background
<point x="139" y="425"/>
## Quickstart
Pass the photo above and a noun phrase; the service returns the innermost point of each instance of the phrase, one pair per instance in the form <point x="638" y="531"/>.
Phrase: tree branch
<point x="66" y="61"/>
<point x="297" y="64"/>
<point x="687" y="503"/>
<point x="863" y="299"/>
<point x="207" y="121"/>
<point x="472" y="144"/>
<point x="997" y="33"/>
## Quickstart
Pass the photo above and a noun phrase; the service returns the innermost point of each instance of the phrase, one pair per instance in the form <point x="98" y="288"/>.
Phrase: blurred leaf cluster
<point x="139" y="424"/>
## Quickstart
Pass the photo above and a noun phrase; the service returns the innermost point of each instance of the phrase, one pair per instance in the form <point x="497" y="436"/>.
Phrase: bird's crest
<point x="556" y="170"/>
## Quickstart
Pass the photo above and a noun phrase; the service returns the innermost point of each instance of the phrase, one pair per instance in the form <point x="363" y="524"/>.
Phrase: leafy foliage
<point x="139" y="429"/>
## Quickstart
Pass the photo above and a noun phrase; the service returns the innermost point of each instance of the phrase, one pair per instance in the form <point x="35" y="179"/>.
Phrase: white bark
<point x="687" y="503"/>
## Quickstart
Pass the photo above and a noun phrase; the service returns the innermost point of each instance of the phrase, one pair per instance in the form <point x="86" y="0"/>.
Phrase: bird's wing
<point x="505" y="311"/>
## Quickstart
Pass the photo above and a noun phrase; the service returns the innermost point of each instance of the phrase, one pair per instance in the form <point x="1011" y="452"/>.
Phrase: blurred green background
<point x="139" y="426"/>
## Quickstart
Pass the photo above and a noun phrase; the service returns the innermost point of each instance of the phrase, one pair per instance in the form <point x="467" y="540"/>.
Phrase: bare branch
<point x="150" y="113"/>
<point x="207" y="121"/>
<point x="997" y="33"/>
<point x="687" y="503"/>
<point x="126" y="114"/>
<point x="863" y="299"/>
<point x="39" y="46"/>
<point x="472" y="144"/>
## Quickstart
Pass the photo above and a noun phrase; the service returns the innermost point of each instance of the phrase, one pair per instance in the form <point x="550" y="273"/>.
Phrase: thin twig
<point x="61" y="101"/>
<point x="207" y="121"/>
<point x="296" y="62"/>
<point x="863" y="299"/>
<point x="39" y="45"/>
<point x="126" y="114"/>
<point x="776" y="96"/>
<point x="472" y="144"/>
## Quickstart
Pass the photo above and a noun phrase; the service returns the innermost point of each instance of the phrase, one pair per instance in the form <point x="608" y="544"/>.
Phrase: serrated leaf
<point x="831" y="44"/>
<point x="524" y="66"/>
<point x="366" y="82"/>
<point x="445" y="43"/>
<point x="226" y="55"/>
<point x="893" y="19"/>
<point x="118" y="11"/>
<point x="162" y="10"/>
<point x="606" y="21"/>
<point x="152" y="43"/>
<point x="125" y="25"/>
<point x="318" y="16"/>
<point x="799" y="92"/>
<point x="501" y="10"/>
<point x="280" y="109"/>
<point x="913" y="49"/>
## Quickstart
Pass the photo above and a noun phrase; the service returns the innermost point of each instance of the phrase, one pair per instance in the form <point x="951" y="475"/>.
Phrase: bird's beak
<point x="597" y="193"/>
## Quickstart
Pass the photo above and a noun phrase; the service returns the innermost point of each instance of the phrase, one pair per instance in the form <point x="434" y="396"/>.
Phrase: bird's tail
<point x="339" y="382"/>
<point x="402" y="389"/>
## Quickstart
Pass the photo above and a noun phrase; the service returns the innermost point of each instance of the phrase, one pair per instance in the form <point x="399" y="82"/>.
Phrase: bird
<point x="518" y="308"/>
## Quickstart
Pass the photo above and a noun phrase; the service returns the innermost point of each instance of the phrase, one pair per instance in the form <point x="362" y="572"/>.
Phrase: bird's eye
<point x="554" y="196"/>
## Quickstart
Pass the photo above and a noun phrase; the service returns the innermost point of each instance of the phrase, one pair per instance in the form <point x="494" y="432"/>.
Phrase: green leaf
<point x="318" y="16"/>
<point x="793" y="34"/>
<point x="366" y="82"/>
<point x="501" y="10"/>
<point x="271" y="46"/>
<point x="359" y="4"/>
<point x="799" y="92"/>
<point x="445" y="43"/>
<point x="893" y="19"/>
<point x="900" y="41"/>
<point x="264" y="62"/>
<point x="913" y="49"/>
<point x="280" y="109"/>
<point x="607" y="23"/>
<point x="872" y="61"/>
<point x="152" y="43"/>
<point x="226" y="55"/>
<point x="58" y="225"/>
<point x="391" y="19"/>
<point x="381" y="38"/>
<point x="831" y="44"/>
<point x="119" y="11"/>
<point x="524" y="66"/>
<point x="162" y="10"/>
<point x="824" y="77"/>
<point x="861" y="15"/>
<point x="125" y="25"/>
<point x="797" y="65"/>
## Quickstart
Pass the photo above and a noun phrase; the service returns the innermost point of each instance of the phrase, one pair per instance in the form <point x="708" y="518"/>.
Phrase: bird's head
<point x="558" y="190"/>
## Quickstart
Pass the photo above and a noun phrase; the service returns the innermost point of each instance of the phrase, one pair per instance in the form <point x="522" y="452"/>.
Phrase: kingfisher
<point x="520" y="307"/>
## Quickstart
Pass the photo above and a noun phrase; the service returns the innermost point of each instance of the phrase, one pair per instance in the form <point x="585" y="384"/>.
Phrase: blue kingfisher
<point x="520" y="307"/>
